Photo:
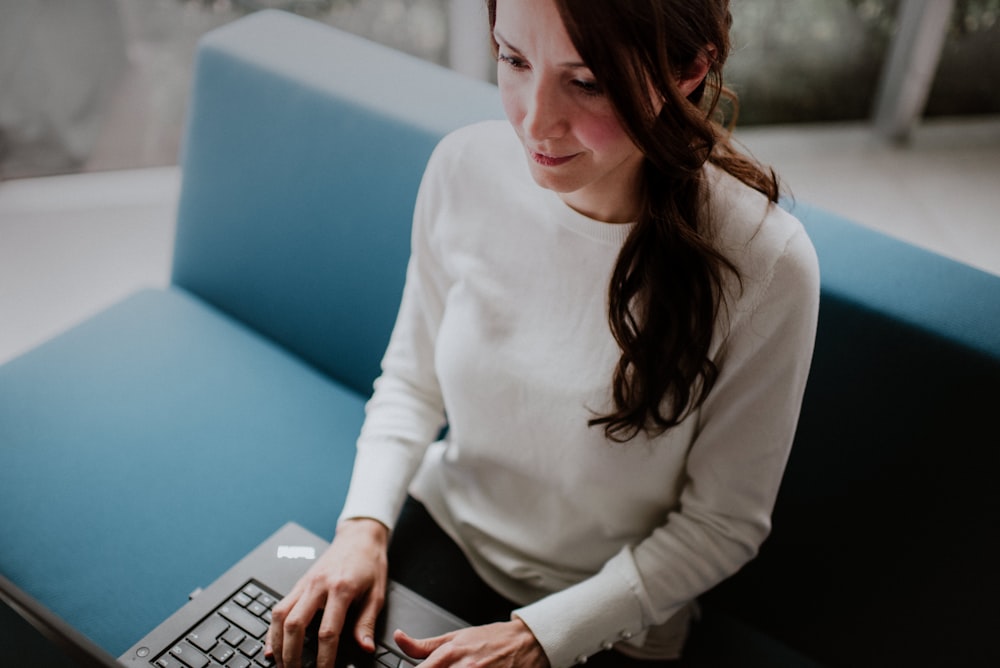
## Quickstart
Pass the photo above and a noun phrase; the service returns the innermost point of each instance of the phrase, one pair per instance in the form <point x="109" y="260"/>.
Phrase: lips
<point x="550" y="160"/>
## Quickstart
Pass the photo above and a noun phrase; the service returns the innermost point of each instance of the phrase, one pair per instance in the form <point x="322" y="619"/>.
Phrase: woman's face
<point x="574" y="142"/>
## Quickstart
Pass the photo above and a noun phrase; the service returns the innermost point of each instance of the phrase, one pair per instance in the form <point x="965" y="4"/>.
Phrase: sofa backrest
<point x="884" y="546"/>
<point x="302" y="158"/>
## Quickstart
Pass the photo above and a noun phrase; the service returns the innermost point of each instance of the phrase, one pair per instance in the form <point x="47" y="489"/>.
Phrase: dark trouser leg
<point x="425" y="559"/>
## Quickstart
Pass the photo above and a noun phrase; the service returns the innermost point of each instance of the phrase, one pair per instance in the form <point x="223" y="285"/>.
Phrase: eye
<point x="512" y="61"/>
<point x="588" y="87"/>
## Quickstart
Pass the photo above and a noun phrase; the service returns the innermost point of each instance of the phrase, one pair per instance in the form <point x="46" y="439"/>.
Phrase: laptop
<point x="225" y="623"/>
<point x="75" y="646"/>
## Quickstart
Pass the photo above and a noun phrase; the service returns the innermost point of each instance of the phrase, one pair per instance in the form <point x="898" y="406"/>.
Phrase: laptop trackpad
<point x="415" y="615"/>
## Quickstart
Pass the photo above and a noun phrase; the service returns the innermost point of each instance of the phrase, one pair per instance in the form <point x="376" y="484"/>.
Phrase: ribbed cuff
<point x="590" y="616"/>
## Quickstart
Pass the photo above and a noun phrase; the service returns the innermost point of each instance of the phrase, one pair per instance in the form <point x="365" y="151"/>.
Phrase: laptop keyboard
<point x="233" y="637"/>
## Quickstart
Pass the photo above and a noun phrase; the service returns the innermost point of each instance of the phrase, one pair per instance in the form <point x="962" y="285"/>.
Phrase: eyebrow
<point x="575" y="65"/>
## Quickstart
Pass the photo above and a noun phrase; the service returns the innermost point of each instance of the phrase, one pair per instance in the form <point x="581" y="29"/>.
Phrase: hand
<point x="352" y="571"/>
<point x="504" y="645"/>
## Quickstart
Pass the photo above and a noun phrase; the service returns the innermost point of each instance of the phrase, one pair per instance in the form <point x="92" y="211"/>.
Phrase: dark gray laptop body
<point x="223" y="624"/>
<point x="273" y="568"/>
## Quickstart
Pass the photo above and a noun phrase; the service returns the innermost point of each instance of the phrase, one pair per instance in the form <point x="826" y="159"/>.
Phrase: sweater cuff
<point x="590" y="616"/>
<point x="382" y="473"/>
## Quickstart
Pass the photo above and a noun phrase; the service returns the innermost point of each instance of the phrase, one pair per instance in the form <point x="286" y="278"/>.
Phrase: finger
<point x="364" y="630"/>
<point x="419" y="648"/>
<point x="272" y="642"/>
<point x="275" y="631"/>
<point x="330" y="627"/>
<point x="294" y="629"/>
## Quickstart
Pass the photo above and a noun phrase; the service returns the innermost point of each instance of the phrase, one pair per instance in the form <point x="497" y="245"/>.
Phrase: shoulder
<point x="766" y="243"/>
<point x="477" y="174"/>
<point x="748" y="227"/>
<point x="477" y="149"/>
<point x="477" y="190"/>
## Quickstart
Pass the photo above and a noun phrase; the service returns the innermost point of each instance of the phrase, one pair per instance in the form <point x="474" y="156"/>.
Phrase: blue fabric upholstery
<point x="921" y="289"/>
<point x="148" y="449"/>
<point x="302" y="164"/>
<point x="144" y="451"/>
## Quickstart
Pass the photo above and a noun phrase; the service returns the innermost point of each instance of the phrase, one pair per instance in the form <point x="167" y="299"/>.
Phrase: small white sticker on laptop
<point x="296" y="552"/>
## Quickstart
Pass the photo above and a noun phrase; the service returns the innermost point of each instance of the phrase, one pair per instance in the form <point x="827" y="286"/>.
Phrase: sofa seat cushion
<point x="145" y="451"/>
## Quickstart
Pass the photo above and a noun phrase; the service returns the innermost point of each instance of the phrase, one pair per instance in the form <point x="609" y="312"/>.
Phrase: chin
<point x="545" y="178"/>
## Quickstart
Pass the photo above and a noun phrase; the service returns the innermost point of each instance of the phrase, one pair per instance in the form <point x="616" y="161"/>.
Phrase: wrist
<point x="531" y="650"/>
<point x="365" y="527"/>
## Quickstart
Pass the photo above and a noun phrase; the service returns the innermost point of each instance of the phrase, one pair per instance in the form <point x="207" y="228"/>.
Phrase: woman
<point x="617" y="321"/>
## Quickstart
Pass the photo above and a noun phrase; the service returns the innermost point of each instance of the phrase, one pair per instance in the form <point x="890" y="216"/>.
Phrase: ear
<point x="697" y="72"/>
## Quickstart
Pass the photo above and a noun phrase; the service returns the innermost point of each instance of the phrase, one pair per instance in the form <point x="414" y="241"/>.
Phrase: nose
<point x="545" y="114"/>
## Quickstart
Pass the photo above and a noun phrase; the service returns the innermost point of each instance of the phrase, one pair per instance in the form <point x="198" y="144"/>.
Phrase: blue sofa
<point x="144" y="451"/>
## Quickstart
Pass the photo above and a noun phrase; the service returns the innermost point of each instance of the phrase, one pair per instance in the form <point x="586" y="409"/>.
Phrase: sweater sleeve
<point x="734" y="469"/>
<point x="406" y="412"/>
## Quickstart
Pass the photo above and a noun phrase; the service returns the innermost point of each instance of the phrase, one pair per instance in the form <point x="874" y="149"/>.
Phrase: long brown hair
<point x="666" y="289"/>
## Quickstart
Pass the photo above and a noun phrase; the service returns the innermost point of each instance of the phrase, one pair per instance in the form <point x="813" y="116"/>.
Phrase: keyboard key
<point x="250" y="647"/>
<point x="167" y="661"/>
<point x="267" y="601"/>
<point x="234" y="636"/>
<point x="252" y="590"/>
<point x="388" y="660"/>
<point x="243" y="619"/>
<point x="223" y="653"/>
<point x="238" y="662"/>
<point x="207" y="634"/>
<point x="189" y="655"/>
<point x="257" y="608"/>
<point x="242" y="599"/>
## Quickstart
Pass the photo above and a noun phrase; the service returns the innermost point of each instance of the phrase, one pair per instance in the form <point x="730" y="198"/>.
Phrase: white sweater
<point x="503" y="328"/>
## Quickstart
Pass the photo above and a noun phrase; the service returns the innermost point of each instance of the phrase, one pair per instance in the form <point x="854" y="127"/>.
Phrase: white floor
<point x="72" y="245"/>
<point x="941" y="192"/>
